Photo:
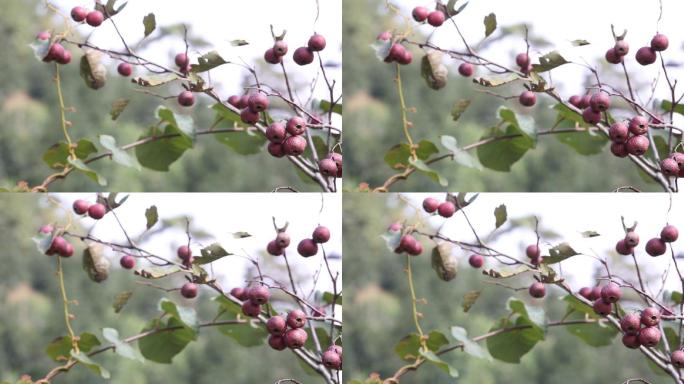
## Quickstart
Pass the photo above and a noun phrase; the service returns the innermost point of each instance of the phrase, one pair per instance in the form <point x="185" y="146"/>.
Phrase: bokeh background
<point x="372" y="106"/>
<point x="29" y="119"/>
<point x="32" y="314"/>
<point x="378" y="307"/>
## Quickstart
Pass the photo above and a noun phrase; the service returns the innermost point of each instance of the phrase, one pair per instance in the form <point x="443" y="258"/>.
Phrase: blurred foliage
<point x="378" y="314"/>
<point x="29" y="123"/>
<point x="32" y="315"/>
<point x="373" y="117"/>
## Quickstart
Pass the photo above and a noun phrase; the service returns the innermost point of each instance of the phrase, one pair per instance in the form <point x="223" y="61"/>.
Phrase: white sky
<point x="563" y="21"/>
<point x="220" y="22"/>
<point x="569" y="215"/>
<point x="221" y="215"/>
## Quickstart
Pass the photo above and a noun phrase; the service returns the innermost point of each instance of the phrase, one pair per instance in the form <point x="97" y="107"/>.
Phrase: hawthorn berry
<point x="384" y="36"/>
<point x="273" y="249"/>
<point x="406" y="58"/>
<point x="532" y="251"/>
<point x="276" y="325"/>
<point x="277" y="342"/>
<point x="537" y="290"/>
<point x="586" y="293"/>
<point x="611" y="293"/>
<point x="257" y="102"/>
<point x="271" y="57"/>
<point x="669" y="233"/>
<point x="303" y="56"/>
<point x="602" y="308"/>
<point x="79" y="14"/>
<point x="280" y="48"/>
<point x="43" y="36"/>
<point x="646" y="56"/>
<point x="307" y="248"/>
<point x="182" y="60"/>
<point x="416" y="249"/>
<point x="249" y="117"/>
<point x="585" y="101"/>
<point x="251" y="309"/>
<point x="189" y="290"/>
<point x="125" y="69"/>
<point x="94" y="18"/>
<point x="65" y="58"/>
<point x="335" y="348"/>
<point x="650" y="317"/>
<point x="275" y="133"/>
<point x="631" y="239"/>
<point x="430" y="204"/>
<point x="436" y="18"/>
<point x="656" y="247"/>
<point x="332" y="360"/>
<point x="638" y="125"/>
<point x="631" y="341"/>
<point x="621" y="47"/>
<point x="623" y="249"/>
<point x="466" y="69"/>
<point x="296" y="318"/>
<point x="337" y="158"/>
<point x="527" y="98"/>
<point x="590" y="116"/>
<point x="637" y="145"/>
<point x="420" y="14"/>
<point x="613" y="57"/>
<point x="446" y="209"/>
<point x="282" y="240"/>
<point x="619" y="149"/>
<point x="55" y="51"/>
<point x="659" y="42"/>
<point x="405" y="242"/>
<point x="239" y="293"/>
<point x="476" y="261"/>
<point x="296" y="126"/>
<point x="184" y="252"/>
<point x="618" y="132"/>
<point x="316" y="43"/>
<point x="58" y="245"/>
<point x="46" y="229"/>
<point x="630" y="323"/>
<point x="244" y="101"/>
<point x="677" y="358"/>
<point x="80" y="207"/>
<point x="669" y="167"/>
<point x="522" y="59"/>
<point x="234" y="100"/>
<point x="259" y="294"/>
<point x="127" y="262"/>
<point x="295" y="338"/>
<point x="395" y="53"/>
<point x="97" y="211"/>
<point x="276" y="149"/>
<point x="186" y="99"/>
<point x="596" y="293"/>
<point x="294" y="145"/>
<point x="649" y="336"/>
<point x="599" y="102"/>
<point x="576" y="101"/>
<point x="321" y="234"/>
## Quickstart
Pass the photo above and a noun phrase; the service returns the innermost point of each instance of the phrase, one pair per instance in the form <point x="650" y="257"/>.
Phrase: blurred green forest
<point x="29" y="123"/>
<point x="373" y="117"/>
<point x="378" y="314"/>
<point x="31" y="316"/>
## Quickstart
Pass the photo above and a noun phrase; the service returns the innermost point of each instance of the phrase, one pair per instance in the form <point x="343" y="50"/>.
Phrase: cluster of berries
<point x="93" y="18"/>
<point x="306" y="247"/>
<point x="656" y="246"/>
<point x="301" y="56"/>
<point x="435" y="18"/>
<point x="287" y="138"/>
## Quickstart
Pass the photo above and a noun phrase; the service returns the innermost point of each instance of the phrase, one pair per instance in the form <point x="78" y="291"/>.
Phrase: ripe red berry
<point x="295" y="338"/>
<point x="679" y="159"/>
<point x="276" y="325"/>
<point x="321" y="234"/>
<point x="638" y="125"/>
<point x="669" y="167"/>
<point x="294" y="145"/>
<point x="599" y="102"/>
<point x="631" y="239"/>
<point x="97" y="211"/>
<point x="656" y="247"/>
<point x="277" y="342"/>
<point x="405" y="242"/>
<point x="602" y="308"/>
<point x="186" y="99"/>
<point x="303" y="56"/>
<point x="271" y="57"/>
<point x="590" y="116"/>
<point x="650" y="317"/>
<point x="631" y="341"/>
<point x="637" y="145"/>
<point x="280" y="48"/>
<point x="127" y="262"/>
<point x="78" y="14"/>
<point x="476" y="261"/>
<point x="251" y="309"/>
<point x="420" y="14"/>
<point x="619" y="149"/>
<point x="649" y="336"/>
<point x="67" y="250"/>
<point x="125" y="69"/>
<point x="585" y="101"/>
<point x="677" y="358"/>
<point x="621" y="47"/>
<point x="595" y="293"/>
<point x="273" y="249"/>
<point x="258" y="102"/>
<point x="522" y="59"/>
<point x="296" y="126"/>
<point x="189" y="290"/>
<point x="184" y="252"/>
<point x="576" y="101"/>
<point x="406" y="58"/>
<point x="307" y="248"/>
<point x="436" y="18"/>
<point x="430" y="204"/>
<point x="43" y="36"/>
<point x="234" y="100"/>
<point x="282" y="239"/>
<point x="317" y="43"/>
<point x="259" y="294"/>
<point x="646" y="56"/>
<point x="630" y="323"/>
<point x="623" y="249"/>
<point x="94" y="18"/>
<point x="537" y="290"/>
<point x="446" y="209"/>
<point x="182" y="60"/>
<point x="415" y="249"/>
<point x="337" y="158"/>
<point x="56" y="51"/>
<point x="46" y="229"/>
<point x="613" y="57"/>
<point x="296" y="318"/>
<point x="332" y="360"/>
<point x="249" y="117"/>
<point x="618" y="132"/>
<point x="532" y="251"/>
<point x="659" y="42"/>
<point x="527" y="98"/>
<point x="58" y="245"/>
<point x="669" y="233"/>
<point x="395" y="53"/>
<point x="243" y="102"/>
<point x="466" y="69"/>
<point x="80" y="207"/>
<point x="611" y="293"/>
<point x="275" y="133"/>
<point x="384" y="36"/>
<point x="586" y="293"/>
<point x="239" y="293"/>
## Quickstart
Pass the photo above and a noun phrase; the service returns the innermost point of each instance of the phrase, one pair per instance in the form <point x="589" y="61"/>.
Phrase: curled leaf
<point x="95" y="263"/>
<point x="433" y="70"/>
<point x="93" y="72"/>
<point x="443" y="262"/>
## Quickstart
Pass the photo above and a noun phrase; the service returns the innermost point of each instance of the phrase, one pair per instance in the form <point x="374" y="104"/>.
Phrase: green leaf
<point x="57" y="155"/>
<point x="400" y="154"/>
<point x="429" y="172"/>
<point x="594" y="334"/>
<point x="118" y="155"/>
<point x="121" y="300"/>
<point x="161" y="347"/>
<point x="490" y="24"/>
<point x="549" y="61"/>
<point x="408" y="348"/>
<point x="186" y="315"/>
<point x="533" y="314"/>
<point x="93" y="366"/>
<point x="433" y="359"/>
<point x="667" y="107"/>
<point x="150" y="23"/>
<point x="460" y="156"/>
<point x="325" y="106"/>
<point x="512" y="345"/>
<point x="120" y="347"/>
<point x="496" y="80"/>
<point x="247" y="142"/>
<point x="328" y="298"/>
<point x="559" y="253"/>
<point x="159" y="154"/>
<point x="523" y="123"/>
<point x="183" y="123"/>
<point x="501" y="154"/>
<point x="80" y="166"/>
<point x="676" y="297"/>
<point x="321" y="333"/>
<point x="151" y="216"/>
<point x="500" y="215"/>
<point x="469" y="300"/>
<point x="671" y="337"/>
<point x="459" y="108"/>
<point x="59" y="349"/>
<point x="118" y="107"/>
<point x="208" y="62"/>
<point x="247" y="335"/>
<point x="211" y="253"/>
<point x="470" y="347"/>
